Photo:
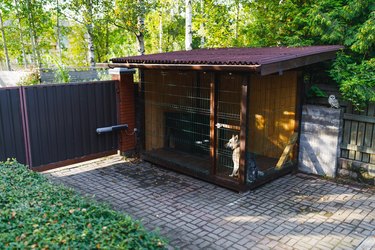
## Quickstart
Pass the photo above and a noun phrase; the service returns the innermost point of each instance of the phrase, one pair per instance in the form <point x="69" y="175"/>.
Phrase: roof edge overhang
<point x="263" y="69"/>
<point x="208" y="67"/>
<point x="298" y="62"/>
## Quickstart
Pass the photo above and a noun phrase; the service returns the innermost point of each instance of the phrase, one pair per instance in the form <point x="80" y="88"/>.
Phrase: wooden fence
<point x="358" y="138"/>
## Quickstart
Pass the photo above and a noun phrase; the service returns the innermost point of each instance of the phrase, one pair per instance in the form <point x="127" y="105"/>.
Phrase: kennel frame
<point x="279" y="65"/>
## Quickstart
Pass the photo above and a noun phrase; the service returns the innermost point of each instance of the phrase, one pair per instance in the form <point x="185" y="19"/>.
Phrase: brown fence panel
<point x="12" y="139"/>
<point x="62" y="121"/>
<point x="358" y="140"/>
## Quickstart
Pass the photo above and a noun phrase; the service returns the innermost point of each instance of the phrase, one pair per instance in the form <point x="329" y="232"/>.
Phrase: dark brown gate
<point x="59" y="123"/>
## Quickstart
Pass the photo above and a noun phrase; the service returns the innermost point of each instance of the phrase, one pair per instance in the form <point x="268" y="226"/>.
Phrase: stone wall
<point x="357" y="171"/>
<point x="320" y="139"/>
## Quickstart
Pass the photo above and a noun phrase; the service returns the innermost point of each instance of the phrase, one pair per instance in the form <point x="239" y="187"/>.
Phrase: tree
<point x="188" y="26"/>
<point x="4" y="41"/>
<point x="130" y="16"/>
<point x="20" y="30"/>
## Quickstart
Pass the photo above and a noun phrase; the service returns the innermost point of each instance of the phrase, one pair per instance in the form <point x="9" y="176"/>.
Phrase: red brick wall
<point x="126" y="109"/>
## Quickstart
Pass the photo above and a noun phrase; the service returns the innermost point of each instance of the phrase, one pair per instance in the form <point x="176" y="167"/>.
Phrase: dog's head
<point x="233" y="142"/>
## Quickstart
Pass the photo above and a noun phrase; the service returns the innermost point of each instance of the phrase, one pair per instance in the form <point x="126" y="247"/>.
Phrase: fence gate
<point x="47" y="126"/>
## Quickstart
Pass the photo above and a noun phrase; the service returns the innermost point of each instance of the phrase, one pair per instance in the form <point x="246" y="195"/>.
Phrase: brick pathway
<point x="293" y="212"/>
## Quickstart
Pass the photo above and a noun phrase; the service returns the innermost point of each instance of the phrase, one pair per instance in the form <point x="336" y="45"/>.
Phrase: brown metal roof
<point x="266" y="60"/>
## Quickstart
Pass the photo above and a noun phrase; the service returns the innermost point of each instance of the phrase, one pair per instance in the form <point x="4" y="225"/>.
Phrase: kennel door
<point x="227" y="125"/>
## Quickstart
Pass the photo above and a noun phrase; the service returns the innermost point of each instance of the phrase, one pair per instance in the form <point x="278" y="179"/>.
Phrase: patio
<point x="294" y="212"/>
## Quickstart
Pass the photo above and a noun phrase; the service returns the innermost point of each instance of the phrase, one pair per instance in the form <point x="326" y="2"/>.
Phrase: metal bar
<point x="243" y="126"/>
<point x="112" y="128"/>
<point x="253" y="68"/>
<point x="228" y="126"/>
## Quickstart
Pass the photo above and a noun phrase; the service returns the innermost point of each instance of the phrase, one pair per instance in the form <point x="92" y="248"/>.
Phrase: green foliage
<point x="315" y="91"/>
<point x="35" y="213"/>
<point x="61" y="70"/>
<point x="357" y="80"/>
<point x="31" y="79"/>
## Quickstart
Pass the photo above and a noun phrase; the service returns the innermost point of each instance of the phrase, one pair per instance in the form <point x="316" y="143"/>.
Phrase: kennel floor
<point x="202" y="164"/>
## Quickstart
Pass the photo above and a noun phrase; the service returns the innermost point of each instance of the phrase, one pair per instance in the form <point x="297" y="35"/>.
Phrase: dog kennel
<point x="193" y="102"/>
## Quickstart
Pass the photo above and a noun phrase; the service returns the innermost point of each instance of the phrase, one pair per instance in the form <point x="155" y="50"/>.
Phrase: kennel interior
<point x="190" y="113"/>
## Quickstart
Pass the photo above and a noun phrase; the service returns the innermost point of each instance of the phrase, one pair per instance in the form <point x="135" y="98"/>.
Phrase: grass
<point x="37" y="214"/>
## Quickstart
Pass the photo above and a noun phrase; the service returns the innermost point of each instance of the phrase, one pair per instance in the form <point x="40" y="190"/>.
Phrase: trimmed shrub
<point x="35" y="213"/>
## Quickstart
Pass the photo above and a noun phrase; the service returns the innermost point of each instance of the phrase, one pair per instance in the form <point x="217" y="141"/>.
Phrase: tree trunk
<point x="91" y="48"/>
<point x="21" y="35"/>
<point x="201" y="27"/>
<point x="141" y="28"/>
<point x="188" y="26"/>
<point x="141" y="43"/>
<point x="58" y="30"/>
<point x="90" y="33"/>
<point x="4" y="42"/>
<point x="34" y="40"/>
<point x="237" y="18"/>
<point x="161" y="33"/>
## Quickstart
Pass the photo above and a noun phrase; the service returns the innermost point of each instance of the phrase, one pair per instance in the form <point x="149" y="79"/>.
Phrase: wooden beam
<point x="287" y="150"/>
<point x="359" y="118"/>
<point x="72" y="161"/>
<point x="357" y="148"/>
<point x="213" y="115"/>
<point x="243" y="127"/>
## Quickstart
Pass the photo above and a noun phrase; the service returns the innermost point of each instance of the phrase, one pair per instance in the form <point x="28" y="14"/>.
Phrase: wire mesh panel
<point x="177" y="118"/>
<point x="228" y="125"/>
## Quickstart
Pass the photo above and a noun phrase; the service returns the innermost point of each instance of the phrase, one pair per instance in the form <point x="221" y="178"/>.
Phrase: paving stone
<point x="295" y="211"/>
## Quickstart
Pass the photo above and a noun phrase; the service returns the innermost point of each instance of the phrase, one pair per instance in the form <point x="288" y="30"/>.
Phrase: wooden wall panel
<point x="272" y="106"/>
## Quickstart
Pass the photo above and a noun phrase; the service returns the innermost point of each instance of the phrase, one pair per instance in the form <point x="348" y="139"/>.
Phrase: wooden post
<point x="243" y="126"/>
<point x="126" y="107"/>
<point x="140" y="115"/>
<point x="299" y="103"/>
<point x="213" y="115"/>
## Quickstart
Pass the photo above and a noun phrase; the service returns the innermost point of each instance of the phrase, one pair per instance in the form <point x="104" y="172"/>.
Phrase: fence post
<point x="126" y="107"/>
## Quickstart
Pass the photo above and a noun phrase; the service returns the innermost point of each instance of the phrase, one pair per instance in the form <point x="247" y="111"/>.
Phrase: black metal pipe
<point x="111" y="128"/>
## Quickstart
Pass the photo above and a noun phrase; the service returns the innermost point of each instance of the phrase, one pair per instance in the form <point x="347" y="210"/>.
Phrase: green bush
<point x="30" y="79"/>
<point x="35" y="213"/>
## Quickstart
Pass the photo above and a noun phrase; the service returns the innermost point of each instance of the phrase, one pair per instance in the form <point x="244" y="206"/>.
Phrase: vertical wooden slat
<point x="346" y="138"/>
<point x="371" y="129"/>
<point x="361" y="130"/>
<point x="353" y="138"/>
<point x="213" y="114"/>
<point x="243" y="126"/>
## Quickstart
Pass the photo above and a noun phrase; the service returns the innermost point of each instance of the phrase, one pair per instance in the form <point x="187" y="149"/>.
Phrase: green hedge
<point x="35" y="213"/>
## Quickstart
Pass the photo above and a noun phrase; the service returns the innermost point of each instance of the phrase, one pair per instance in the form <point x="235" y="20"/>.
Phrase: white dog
<point x="234" y="144"/>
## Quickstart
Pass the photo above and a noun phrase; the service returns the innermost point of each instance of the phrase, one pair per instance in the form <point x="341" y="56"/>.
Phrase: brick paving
<point x="294" y="212"/>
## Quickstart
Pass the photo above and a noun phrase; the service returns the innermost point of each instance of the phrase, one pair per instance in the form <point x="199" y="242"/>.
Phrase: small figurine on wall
<point x="333" y="102"/>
